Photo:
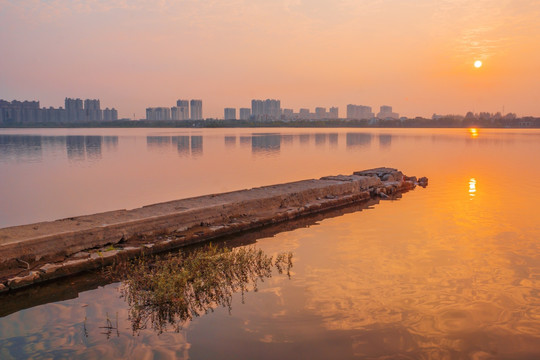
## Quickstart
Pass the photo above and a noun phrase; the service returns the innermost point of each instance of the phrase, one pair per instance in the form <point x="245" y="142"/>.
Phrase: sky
<point x="415" y="55"/>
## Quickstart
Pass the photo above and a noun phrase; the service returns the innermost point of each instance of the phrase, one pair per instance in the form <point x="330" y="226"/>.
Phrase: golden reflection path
<point x="472" y="187"/>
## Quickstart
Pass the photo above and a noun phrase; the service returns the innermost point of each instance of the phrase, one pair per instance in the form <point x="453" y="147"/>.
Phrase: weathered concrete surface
<point x="53" y="249"/>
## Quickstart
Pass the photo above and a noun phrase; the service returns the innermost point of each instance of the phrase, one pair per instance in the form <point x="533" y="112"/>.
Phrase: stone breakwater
<point x="43" y="251"/>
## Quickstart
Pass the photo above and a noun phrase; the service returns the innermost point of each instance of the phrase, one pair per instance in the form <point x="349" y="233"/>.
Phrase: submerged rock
<point x="423" y="181"/>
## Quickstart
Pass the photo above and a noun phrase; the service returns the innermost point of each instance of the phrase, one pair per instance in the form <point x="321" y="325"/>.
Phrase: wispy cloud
<point x="484" y="28"/>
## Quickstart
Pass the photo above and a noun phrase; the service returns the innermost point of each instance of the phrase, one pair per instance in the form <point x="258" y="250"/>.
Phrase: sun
<point x="477" y="64"/>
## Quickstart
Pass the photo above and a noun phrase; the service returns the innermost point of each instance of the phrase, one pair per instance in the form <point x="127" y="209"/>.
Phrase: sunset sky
<point x="417" y="56"/>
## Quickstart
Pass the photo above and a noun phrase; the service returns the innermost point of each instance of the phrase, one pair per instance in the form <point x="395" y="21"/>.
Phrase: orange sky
<point x="416" y="56"/>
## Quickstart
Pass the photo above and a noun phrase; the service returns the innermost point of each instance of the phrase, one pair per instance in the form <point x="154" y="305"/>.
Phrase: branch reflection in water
<point x="170" y="291"/>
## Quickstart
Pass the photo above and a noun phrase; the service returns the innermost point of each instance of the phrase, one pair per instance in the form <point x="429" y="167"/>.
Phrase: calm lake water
<point x="450" y="271"/>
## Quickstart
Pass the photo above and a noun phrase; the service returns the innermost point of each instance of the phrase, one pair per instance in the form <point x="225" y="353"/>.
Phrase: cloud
<point x="484" y="28"/>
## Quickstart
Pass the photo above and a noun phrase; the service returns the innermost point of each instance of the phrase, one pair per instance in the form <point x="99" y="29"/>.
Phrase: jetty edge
<point x="44" y="251"/>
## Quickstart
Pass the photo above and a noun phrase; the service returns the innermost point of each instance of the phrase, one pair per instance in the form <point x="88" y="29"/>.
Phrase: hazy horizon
<point x="416" y="57"/>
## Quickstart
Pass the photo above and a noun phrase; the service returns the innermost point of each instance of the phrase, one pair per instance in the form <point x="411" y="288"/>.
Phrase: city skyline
<point x="418" y="56"/>
<point x="78" y="111"/>
<point x="74" y="110"/>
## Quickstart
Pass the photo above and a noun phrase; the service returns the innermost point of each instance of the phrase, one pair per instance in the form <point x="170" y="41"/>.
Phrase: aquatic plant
<point x="169" y="291"/>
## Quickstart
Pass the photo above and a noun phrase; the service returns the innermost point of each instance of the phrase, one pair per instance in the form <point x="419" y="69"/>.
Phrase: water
<point x="450" y="271"/>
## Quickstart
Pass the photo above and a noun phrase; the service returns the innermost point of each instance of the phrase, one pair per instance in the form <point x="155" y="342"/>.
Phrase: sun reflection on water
<point x="472" y="188"/>
<point x="473" y="132"/>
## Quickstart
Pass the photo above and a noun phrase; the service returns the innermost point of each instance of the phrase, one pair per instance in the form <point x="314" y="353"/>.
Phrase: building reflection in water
<point x="182" y="144"/>
<point x="185" y="145"/>
<point x="110" y="142"/>
<point x="81" y="148"/>
<point x="75" y="147"/>
<point x="320" y="139"/>
<point x="29" y="148"/>
<point x="230" y="141"/>
<point x="158" y="143"/>
<point x="92" y="146"/>
<point x="53" y="143"/>
<point x="358" y="140"/>
<point x="267" y="143"/>
<point x="245" y="141"/>
<point x="287" y="139"/>
<point x="333" y="139"/>
<point x="272" y="142"/>
<point x="196" y="145"/>
<point x="20" y="148"/>
<point x="304" y="139"/>
<point x="385" y="140"/>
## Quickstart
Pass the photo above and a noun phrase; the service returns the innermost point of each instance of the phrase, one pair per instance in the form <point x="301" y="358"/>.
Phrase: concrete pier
<point x="47" y="250"/>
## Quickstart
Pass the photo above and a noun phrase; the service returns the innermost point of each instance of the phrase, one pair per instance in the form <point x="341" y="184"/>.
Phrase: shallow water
<point x="450" y="271"/>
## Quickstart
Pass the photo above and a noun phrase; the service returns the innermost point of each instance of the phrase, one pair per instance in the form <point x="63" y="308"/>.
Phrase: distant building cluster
<point x="361" y="112"/>
<point x="306" y="114"/>
<point x="261" y="110"/>
<point x="184" y="110"/>
<point x="270" y="110"/>
<point x="76" y="110"/>
<point x="387" y="114"/>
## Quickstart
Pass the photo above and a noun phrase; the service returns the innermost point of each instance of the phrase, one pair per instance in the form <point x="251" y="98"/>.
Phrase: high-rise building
<point x="268" y="109"/>
<point x="92" y="110"/>
<point x="272" y="109"/>
<point x="183" y="109"/>
<point x="30" y="111"/>
<point x="386" y="113"/>
<point x="320" y="113"/>
<point x="20" y="111"/>
<point x="257" y="108"/>
<point x="110" y="114"/>
<point x="196" y="110"/>
<point x="304" y="114"/>
<point x="359" y="112"/>
<point x="245" y="113"/>
<point x="177" y="113"/>
<point x="230" y="114"/>
<point x="158" y="113"/>
<point x="51" y="115"/>
<point x="74" y="109"/>
<point x="333" y="113"/>
<point x="288" y="114"/>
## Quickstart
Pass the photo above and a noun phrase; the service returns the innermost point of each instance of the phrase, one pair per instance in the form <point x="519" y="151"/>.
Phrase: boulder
<point x="423" y="181"/>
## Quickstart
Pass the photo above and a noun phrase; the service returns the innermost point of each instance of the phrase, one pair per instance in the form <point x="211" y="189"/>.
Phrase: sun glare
<point x="477" y="64"/>
<point x="473" y="132"/>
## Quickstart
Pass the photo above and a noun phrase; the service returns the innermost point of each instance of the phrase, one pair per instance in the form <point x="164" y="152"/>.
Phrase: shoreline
<point x="525" y="122"/>
<point x="44" y="251"/>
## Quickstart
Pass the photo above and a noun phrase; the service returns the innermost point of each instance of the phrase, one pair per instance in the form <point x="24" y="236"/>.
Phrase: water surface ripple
<point x="447" y="272"/>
